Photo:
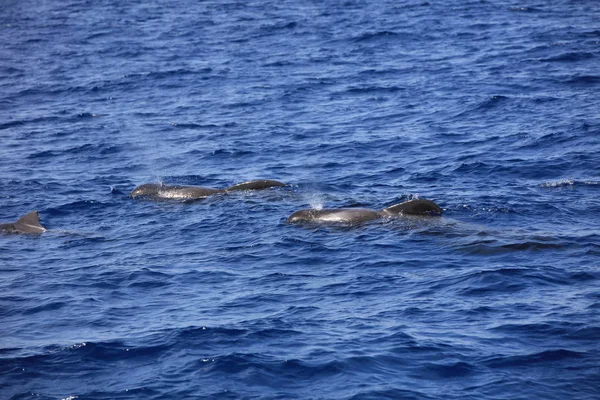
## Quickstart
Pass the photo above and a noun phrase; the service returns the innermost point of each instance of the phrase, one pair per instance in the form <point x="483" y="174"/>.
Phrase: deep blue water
<point x="488" y="108"/>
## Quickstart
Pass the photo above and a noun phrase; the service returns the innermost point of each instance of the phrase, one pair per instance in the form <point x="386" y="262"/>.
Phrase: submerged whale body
<point x="417" y="207"/>
<point x="158" y="191"/>
<point x="29" y="223"/>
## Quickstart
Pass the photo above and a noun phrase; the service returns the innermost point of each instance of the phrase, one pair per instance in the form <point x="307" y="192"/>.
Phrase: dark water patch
<point x="392" y="393"/>
<point x="437" y="371"/>
<point x="570" y="57"/>
<point x="503" y="281"/>
<point x="546" y="330"/>
<point x="524" y="361"/>
<point x="85" y="149"/>
<point x="78" y="206"/>
<point x="89" y="115"/>
<point x="270" y="28"/>
<point x="583" y="80"/>
<point x="22" y="122"/>
<point x="118" y="351"/>
<point x="554" y="139"/>
<point x="584" y="276"/>
<point x="262" y="367"/>
<point x="496" y="247"/>
<point x="589" y="333"/>
<point x="148" y="279"/>
<point x="206" y="336"/>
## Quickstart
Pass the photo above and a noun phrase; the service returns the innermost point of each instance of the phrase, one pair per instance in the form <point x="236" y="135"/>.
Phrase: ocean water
<point x="490" y="109"/>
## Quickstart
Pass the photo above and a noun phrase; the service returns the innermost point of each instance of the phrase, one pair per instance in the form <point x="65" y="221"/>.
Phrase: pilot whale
<point x="29" y="223"/>
<point x="159" y="191"/>
<point x="418" y="207"/>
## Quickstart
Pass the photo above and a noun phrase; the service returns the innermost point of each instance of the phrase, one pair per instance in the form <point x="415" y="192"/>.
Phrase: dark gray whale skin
<point x="158" y="191"/>
<point x="418" y="207"/>
<point x="29" y="224"/>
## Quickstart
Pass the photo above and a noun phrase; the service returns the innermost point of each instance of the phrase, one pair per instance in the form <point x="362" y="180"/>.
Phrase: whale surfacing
<point x="417" y="207"/>
<point x="340" y="215"/>
<point x="172" y="192"/>
<point x="159" y="191"/>
<point x="29" y="224"/>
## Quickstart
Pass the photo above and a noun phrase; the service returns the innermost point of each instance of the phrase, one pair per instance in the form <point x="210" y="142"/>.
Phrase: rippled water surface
<point x="490" y="109"/>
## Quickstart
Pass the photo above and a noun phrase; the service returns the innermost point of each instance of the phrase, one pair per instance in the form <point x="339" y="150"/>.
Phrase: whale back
<point x="158" y="191"/>
<point x="166" y="192"/>
<point x="7" y="227"/>
<point x="255" y="185"/>
<point x="414" y="207"/>
<point x="332" y="215"/>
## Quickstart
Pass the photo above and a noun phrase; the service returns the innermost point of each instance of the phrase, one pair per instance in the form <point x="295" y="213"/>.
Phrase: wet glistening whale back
<point x="418" y="207"/>
<point x="29" y="223"/>
<point x="158" y="191"/>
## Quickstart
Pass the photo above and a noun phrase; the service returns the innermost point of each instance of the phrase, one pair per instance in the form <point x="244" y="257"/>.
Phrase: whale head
<point x="147" y="189"/>
<point x="302" y="216"/>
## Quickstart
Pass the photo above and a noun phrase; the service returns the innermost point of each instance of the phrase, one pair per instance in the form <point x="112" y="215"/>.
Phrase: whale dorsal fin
<point x="30" y="223"/>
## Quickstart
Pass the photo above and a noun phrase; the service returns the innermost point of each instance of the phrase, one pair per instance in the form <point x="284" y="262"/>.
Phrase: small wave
<point x="568" y="183"/>
<point x="193" y="126"/>
<point x="233" y="153"/>
<point x="523" y="9"/>
<point x="117" y="191"/>
<point x="375" y="35"/>
<point x="487" y="104"/>
<point x="584" y="276"/>
<point x="591" y="333"/>
<point x="373" y="89"/>
<point x="503" y="280"/>
<point x="54" y="305"/>
<point x="156" y="75"/>
<point x="89" y="115"/>
<point x="102" y="351"/>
